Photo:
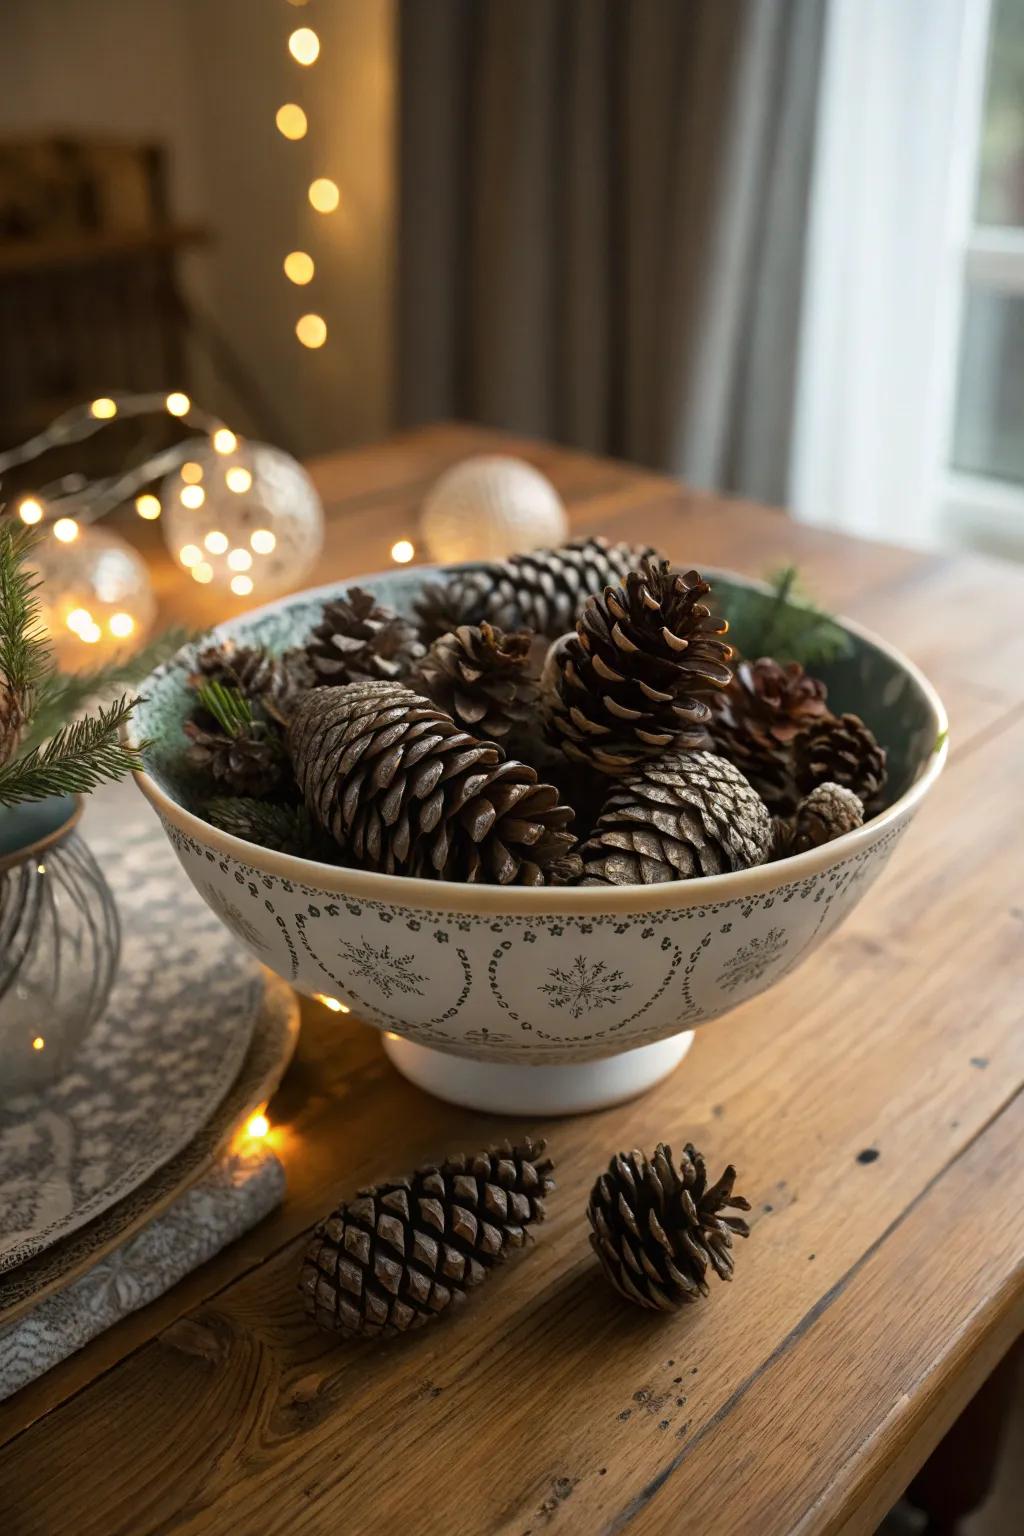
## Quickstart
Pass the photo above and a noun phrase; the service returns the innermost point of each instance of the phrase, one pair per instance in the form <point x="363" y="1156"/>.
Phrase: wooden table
<point x="872" y="1299"/>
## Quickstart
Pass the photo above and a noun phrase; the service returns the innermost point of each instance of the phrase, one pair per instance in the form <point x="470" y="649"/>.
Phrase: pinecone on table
<point x="397" y="784"/>
<point x="400" y="1254"/>
<point x="678" y="817"/>
<point x="841" y="750"/>
<point x="658" y="1228"/>
<point x="755" y="721"/>
<point x="480" y="676"/>
<point x="630" y="684"/>
<point x="542" y="590"/>
<point x="250" y="761"/>
<point x="357" y="637"/>
<point x="823" y="815"/>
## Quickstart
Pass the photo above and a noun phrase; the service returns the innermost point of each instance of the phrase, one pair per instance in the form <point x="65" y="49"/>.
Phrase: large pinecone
<point x="841" y="751"/>
<point x="683" y="815"/>
<point x="480" y="676"/>
<point x="357" y="637"/>
<point x="542" y="590"/>
<point x="755" y="721"/>
<point x="398" y="1255"/>
<point x="657" y="1229"/>
<point x="249" y="762"/>
<point x="631" y="682"/>
<point x="396" y="782"/>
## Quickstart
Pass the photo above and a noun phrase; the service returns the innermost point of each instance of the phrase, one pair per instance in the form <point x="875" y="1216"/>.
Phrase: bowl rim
<point x="523" y="901"/>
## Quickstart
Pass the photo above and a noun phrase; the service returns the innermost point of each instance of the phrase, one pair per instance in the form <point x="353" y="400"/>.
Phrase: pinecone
<point x="359" y="638"/>
<point x="656" y="1228"/>
<point x="841" y="751"/>
<point x="401" y="788"/>
<point x="250" y="762"/>
<point x="826" y="813"/>
<point x="755" y="721"/>
<point x="398" y="1255"/>
<point x="683" y="815"/>
<point x="629" y="683"/>
<point x="274" y="682"/>
<point x="543" y="590"/>
<point x="12" y="720"/>
<point x="480" y="676"/>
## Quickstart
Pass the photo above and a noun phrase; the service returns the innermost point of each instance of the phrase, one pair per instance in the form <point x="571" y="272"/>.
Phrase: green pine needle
<point x="24" y="652"/>
<point x="228" y="706"/>
<point x="78" y="758"/>
<point x="787" y="625"/>
<point x="286" y="828"/>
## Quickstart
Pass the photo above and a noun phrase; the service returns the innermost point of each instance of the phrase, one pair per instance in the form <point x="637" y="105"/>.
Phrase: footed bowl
<point x="554" y="1000"/>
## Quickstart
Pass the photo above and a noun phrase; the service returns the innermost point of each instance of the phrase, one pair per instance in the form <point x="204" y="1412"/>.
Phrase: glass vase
<point x="60" y="939"/>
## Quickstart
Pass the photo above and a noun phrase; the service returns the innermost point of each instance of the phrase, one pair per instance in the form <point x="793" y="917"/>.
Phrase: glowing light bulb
<point x="291" y="121"/>
<point x="203" y="573"/>
<point x="263" y="541"/>
<point x="402" y="552"/>
<point x="66" y="530"/>
<point x="191" y="473"/>
<point x="304" y="45"/>
<point x="238" y="479"/>
<point x="299" y="267"/>
<point x="224" y="440"/>
<point x="148" y="507"/>
<point x="257" y="1127"/>
<point x="311" y="330"/>
<point x="103" y="409"/>
<point x="332" y="1003"/>
<point x="190" y="555"/>
<point x="79" y="619"/>
<point x="239" y="560"/>
<point x="121" y="625"/>
<point x="241" y="586"/>
<point x="90" y="634"/>
<point x="192" y="496"/>
<point x="30" y="511"/>
<point x="178" y="404"/>
<point x="40" y="869"/>
<point x="324" y="194"/>
<point x="216" y="542"/>
<point x="38" y="1043"/>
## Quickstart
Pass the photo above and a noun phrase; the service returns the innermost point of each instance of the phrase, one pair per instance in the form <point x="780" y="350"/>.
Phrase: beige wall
<point x="205" y="77"/>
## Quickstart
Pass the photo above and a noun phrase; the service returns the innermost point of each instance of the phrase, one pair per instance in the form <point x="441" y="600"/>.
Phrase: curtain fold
<point x="601" y="223"/>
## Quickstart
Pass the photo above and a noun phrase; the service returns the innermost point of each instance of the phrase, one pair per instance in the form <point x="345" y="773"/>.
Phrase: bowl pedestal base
<point x="503" y="1088"/>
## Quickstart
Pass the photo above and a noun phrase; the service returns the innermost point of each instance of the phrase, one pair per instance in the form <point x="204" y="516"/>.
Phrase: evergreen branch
<point x="286" y="828"/>
<point x="24" y="652"/>
<point x="63" y="694"/>
<point x="80" y="756"/>
<point x="792" y="628"/>
<point x="228" y="706"/>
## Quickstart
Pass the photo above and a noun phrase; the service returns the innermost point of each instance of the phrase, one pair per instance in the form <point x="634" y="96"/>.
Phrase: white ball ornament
<point x="489" y="507"/>
<point x="95" y="599"/>
<point x="247" y="522"/>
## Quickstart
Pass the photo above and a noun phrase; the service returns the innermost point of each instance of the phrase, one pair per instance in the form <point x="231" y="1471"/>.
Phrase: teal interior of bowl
<point x="865" y="681"/>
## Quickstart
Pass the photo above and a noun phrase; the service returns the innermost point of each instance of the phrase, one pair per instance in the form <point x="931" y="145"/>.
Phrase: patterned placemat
<point x="273" y="1042"/>
<point x="152" y="1070"/>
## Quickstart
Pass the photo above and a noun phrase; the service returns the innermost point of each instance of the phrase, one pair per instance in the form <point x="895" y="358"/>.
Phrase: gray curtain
<point x="602" y="212"/>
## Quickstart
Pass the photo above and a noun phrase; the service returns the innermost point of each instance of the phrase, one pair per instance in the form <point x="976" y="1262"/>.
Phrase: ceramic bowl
<point x="551" y="1000"/>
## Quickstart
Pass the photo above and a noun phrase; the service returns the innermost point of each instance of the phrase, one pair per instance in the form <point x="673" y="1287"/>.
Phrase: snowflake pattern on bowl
<point x="583" y="987"/>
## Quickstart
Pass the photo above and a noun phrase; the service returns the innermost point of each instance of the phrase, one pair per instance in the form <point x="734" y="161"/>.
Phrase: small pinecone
<point x="275" y="682"/>
<point x="681" y="816"/>
<point x="826" y="813"/>
<point x="755" y="721"/>
<point x="543" y="590"/>
<point x="398" y="1255"/>
<point x="480" y="676"/>
<point x="402" y="789"/>
<point x="359" y="638"/>
<point x="629" y="683"/>
<point x="656" y="1228"/>
<point x="841" y="751"/>
<point x="249" y="763"/>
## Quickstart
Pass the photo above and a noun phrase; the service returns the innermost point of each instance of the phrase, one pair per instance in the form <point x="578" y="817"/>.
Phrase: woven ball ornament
<point x="245" y="522"/>
<point x="491" y="506"/>
<point x="95" y="598"/>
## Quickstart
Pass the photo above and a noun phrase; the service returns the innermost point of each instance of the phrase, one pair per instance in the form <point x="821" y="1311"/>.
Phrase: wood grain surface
<point x="872" y="1298"/>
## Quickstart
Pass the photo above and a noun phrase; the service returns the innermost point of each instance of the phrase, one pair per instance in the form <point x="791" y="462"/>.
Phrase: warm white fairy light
<point x="224" y="440"/>
<point x="239" y="560"/>
<point x="191" y="472"/>
<point x="216" y="542"/>
<point x="299" y="268"/>
<point x="304" y="45"/>
<point x="257" y="1126"/>
<point x="263" y="541"/>
<point x="66" y="530"/>
<point x="148" y="507"/>
<point x="103" y="409"/>
<point x="79" y="619"/>
<point x="189" y="555"/>
<point x="203" y="572"/>
<point x="238" y="479"/>
<point x="291" y="121"/>
<point x="241" y="586"/>
<point x="178" y="404"/>
<point x="332" y="1003"/>
<point x="402" y="551"/>
<point x="121" y="625"/>
<point x="30" y="511"/>
<point x="324" y="194"/>
<point x="311" y="330"/>
<point x="192" y="496"/>
<point x="38" y="1044"/>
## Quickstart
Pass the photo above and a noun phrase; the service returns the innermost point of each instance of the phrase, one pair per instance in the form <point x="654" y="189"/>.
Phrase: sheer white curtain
<point x="891" y="194"/>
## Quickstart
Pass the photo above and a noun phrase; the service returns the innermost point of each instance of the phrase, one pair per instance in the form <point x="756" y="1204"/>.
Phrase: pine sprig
<point x="287" y="828"/>
<point x="24" y="653"/>
<point x="81" y="756"/>
<point x="228" y="706"/>
<point x="787" y="625"/>
<point x="62" y="695"/>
